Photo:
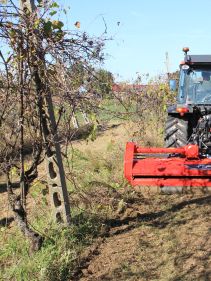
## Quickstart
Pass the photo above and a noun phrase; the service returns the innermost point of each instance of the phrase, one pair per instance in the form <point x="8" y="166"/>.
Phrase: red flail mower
<point x="172" y="167"/>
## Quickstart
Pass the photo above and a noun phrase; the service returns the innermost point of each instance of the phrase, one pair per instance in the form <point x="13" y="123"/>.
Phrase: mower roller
<point x="186" y="159"/>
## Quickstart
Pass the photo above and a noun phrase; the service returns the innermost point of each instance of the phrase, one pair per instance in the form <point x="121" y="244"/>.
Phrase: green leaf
<point x="59" y="34"/>
<point x="36" y="23"/>
<point x="12" y="33"/>
<point x="47" y="27"/>
<point x="53" y="13"/>
<point x="54" y="5"/>
<point x="57" y="24"/>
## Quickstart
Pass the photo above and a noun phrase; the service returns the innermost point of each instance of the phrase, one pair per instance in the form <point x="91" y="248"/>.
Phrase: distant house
<point x="128" y="88"/>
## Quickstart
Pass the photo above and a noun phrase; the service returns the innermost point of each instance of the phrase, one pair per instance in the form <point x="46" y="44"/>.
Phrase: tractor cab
<point x="195" y="84"/>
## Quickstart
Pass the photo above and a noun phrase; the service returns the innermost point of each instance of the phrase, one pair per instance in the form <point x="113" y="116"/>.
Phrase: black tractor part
<point x="176" y="131"/>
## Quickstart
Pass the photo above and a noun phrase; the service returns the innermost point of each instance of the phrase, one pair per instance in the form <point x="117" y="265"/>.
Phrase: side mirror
<point x="173" y="85"/>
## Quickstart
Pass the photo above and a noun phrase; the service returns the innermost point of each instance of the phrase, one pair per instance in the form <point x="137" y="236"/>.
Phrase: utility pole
<point x="54" y="165"/>
<point x="167" y="65"/>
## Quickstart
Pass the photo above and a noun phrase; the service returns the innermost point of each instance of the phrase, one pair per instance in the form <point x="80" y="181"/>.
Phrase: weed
<point x="59" y="255"/>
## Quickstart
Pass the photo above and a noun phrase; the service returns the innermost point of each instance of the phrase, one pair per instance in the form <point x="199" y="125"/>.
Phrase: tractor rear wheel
<point x="176" y="131"/>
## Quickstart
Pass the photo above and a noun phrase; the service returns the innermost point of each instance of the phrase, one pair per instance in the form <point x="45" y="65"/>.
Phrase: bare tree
<point x="39" y="61"/>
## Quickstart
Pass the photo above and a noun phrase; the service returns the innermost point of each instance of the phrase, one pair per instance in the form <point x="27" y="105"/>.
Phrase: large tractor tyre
<point x="176" y="132"/>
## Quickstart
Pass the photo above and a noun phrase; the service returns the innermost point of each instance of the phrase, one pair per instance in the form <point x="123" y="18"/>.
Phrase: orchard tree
<point x="40" y="61"/>
<point x="102" y="85"/>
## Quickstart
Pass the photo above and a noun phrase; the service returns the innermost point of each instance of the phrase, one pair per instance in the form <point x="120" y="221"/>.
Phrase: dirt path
<point x="167" y="240"/>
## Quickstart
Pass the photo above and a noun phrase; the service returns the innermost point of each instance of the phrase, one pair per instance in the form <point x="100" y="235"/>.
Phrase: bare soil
<point x="155" y="238"/>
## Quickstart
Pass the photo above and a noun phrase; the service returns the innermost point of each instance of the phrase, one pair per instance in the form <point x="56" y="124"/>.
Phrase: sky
<point x="142" y="31"/>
